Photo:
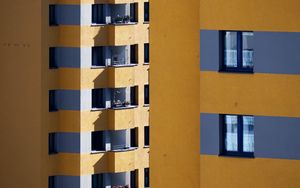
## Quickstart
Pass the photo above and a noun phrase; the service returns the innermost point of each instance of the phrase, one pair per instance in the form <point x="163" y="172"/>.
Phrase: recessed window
<point x="146" y="94"/>
<point x="97" y="181"/>
<point x="237" y="135"/>
<point x="52" y="61"/>
<point x="52" y="145"/>
<point x="146" y="136"/>
<point x="98" y="14"/>
<point x="147" y="177"/>
<point x="237" y="51"/>
<point x="146" y="53"/>
<point x="98" y="98"/>
<point x="98" y="56"/>
<point x="133" y="12"/>
<point x="52" y="16"/>
<point x="133" y="179"/>
<point x="52" y="101"/>
<point x="98" y="141"/>
<point x="134" y="137"/>
<point x="51" y="182"/>
<point x="146" y="12"/>
<point x="134" y="54"/>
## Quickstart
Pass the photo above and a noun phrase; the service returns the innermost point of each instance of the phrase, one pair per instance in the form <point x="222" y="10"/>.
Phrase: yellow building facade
<point x="77" y="110"/>
<point x="224" y="94"/>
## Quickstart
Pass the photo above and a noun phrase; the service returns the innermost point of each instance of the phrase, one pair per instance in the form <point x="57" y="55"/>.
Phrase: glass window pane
<point x="247" y="49"/>
<point x="231" y="137"/>
<point x="248" y="134"/>
<point x="230" y="50"/>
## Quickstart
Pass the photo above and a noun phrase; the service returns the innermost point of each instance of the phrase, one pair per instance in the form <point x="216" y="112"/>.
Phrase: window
<point x="146" y="136"/>
<point x="134" y="137"/>
<point x="98" y="56"/>
<point x="237" y="51"/>
<point x="98" y="14"/>
<point x="52" y="145"/>
<point x="146" y="12"/>
<point x="133" y="179"/>
<point x="97" y="181"/>
<point x="52" y="62"/>
<point x="51" y="182"/>
<point x="133" y="12"/>
<point x="98" y="141"/>
<point x="146" y="94"/>
<point x="134" y="95"/>
<point x="97" y="99"/>
<point x="146" y="53"/>
<point x="52" y="101"/>
<point x="237" y="135"/>
<point x="147" y="177"/>
<point x="133" y="54"/>
<point x="52" y="16"/>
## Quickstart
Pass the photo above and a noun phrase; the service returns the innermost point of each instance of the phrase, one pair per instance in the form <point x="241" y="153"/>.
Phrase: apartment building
<point x="225" y="94"/>
<point x="76" y="110"/>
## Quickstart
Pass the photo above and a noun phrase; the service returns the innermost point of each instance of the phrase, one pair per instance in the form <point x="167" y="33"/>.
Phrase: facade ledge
<point x="97" y="109"/>
<point x="124" y="107"/>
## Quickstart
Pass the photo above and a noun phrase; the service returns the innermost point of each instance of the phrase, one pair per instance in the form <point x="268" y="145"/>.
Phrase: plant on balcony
<point x="118" y="19"/>
<point x="126" y="103"/>
<point x="126" y="19"/>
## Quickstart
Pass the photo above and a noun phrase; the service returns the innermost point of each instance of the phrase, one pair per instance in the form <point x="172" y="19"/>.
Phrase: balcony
<point x="115" y="180"/>
<point x="120" y="119"/>
<point x="114" y="14"/>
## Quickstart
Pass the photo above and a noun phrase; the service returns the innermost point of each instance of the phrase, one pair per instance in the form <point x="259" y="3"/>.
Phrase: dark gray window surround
<point x="275" y="137"/>
<point x="275" y="52"/>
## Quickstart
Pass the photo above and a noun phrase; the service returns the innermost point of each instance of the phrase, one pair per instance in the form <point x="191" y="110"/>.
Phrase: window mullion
<point x="239" y="50"/>
<point x="240" y="134"/>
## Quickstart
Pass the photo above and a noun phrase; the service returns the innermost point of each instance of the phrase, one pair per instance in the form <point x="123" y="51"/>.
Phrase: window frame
<point x="240" y="127"/>
<point x="239" y="68"/>
<point x="146" y="53"/>
<point x="146" y="12"/>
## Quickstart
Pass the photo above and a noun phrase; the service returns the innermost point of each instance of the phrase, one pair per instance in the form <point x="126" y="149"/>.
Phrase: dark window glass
<point x="146" y="94"/>
<point x="51" y="182"/>
<point x="98" y="56"/>
<point x="52" y="101"/>
<point x="133" y="137"/>
<point x="98" y="141"/>
<point x="97" y="98"/>
<point x="133" y="95"/>
<point x="52" y="16"/>
<point x="146" y="12"/>
<point x="133" y="54"/>
<point x="52" y="62"/>
<point x="238" y="135"/>
<point x="133" y="180"/>
<point x="97" y="181"/>
<point x="146" y="53"/>
<point x="146" y="136"/>
<point x="98" y="14"/>
<point x="147" y="177"/>
<point x="237" y="51"/>
<point x="133" y="12"/>
<point x="52" y="145"/>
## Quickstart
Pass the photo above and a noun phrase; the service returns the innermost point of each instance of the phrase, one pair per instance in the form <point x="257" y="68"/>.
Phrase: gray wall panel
<point x="209" y="50"/>
<point x="277" y="137"/>
<point x="67" y="14"/>
<point x="67" y="57"/>
<point x="274" y="137"/>
<point x="68" y="99"/>
<point x="68" y="142"/>
<point x="67" y="181"/>
<point x="209" y="134"/>
<point x="274" y="52"/>
<point x="277" y="52"/>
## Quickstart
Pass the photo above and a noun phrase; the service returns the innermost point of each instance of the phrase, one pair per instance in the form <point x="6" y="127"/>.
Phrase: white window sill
<point x="97" y="109"/>
<point x="124" y="107"/>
